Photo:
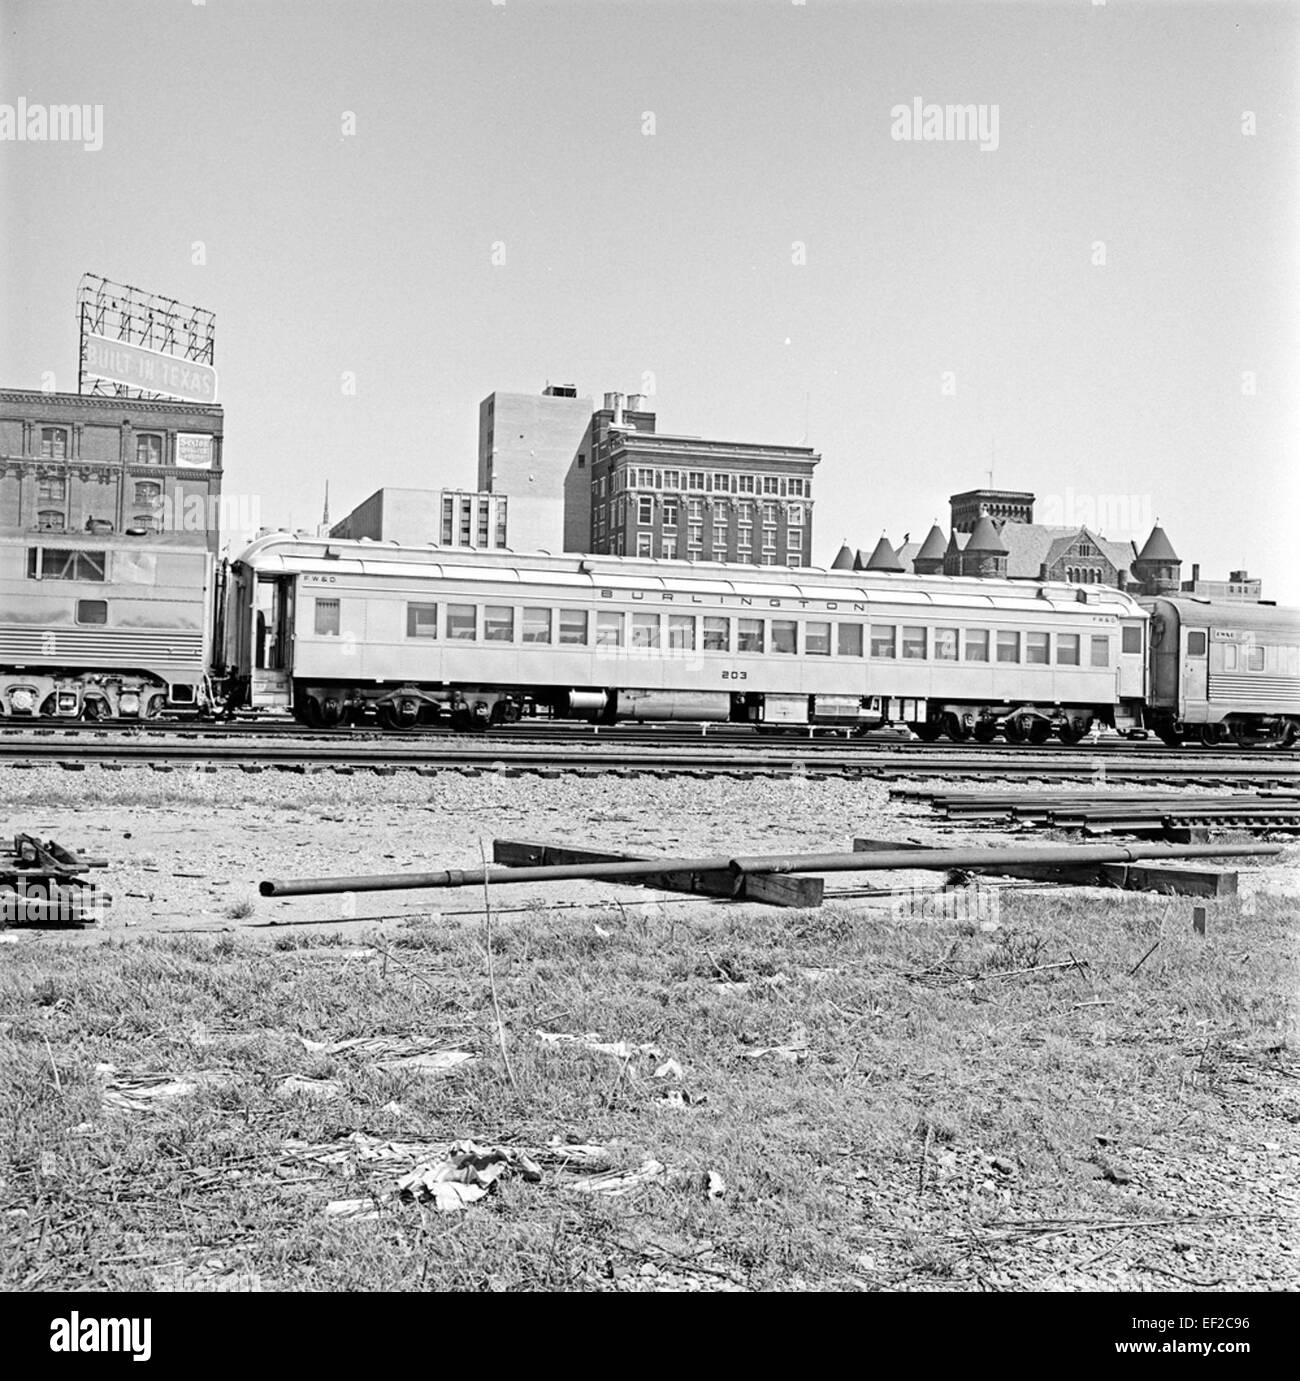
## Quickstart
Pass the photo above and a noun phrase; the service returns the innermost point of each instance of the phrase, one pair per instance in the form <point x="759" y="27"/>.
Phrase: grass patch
<point x="921" y="1095"/>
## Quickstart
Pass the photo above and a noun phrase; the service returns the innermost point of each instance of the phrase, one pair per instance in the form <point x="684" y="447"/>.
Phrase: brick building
<point x="416" y="517"/>
<point x="73" y="462"/>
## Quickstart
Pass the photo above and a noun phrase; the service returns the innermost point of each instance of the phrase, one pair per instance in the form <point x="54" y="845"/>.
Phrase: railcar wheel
<point x="985" y="731"/>
<point x="1170" y="737"/>
<point x="955" y="729"/>
<point x="1072" y="732"/>
<point x="1039" y="731"/>
<point x="400" y="715"/>
<point x="928" y="730"/>
<point x="1291" y="734"/>
<point x="1014" y="731"/>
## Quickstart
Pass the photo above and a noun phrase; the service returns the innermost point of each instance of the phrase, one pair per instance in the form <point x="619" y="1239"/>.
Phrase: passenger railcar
<point x="100" y="626"/>
<point x="333" y="630"/>
<point x="1224" y="673"/>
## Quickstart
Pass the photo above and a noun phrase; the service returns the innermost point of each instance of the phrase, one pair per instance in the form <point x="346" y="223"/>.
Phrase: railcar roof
<point x="1229" y="613"/>
<point x="286" y="552"/>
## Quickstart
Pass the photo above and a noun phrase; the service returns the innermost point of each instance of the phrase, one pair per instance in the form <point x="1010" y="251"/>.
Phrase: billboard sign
<point x="194" y="450"/>
<point x="149" y="370"/>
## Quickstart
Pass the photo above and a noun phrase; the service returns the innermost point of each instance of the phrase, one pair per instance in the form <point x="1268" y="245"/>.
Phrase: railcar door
<point x="1195" y="673"/>
<point x="273" y="642"/>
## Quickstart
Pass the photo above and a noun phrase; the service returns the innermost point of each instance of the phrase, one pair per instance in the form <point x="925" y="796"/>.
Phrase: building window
<point x="54" y="443"/>
<point x="745" y="511"/>
<point x="695" y="510"/>
<point x="148" y="449"/>
<point x="795" y="517"/>
<point x="573" y="627"/>
<point x="645" y="511"/>
<point x="785" y="636"/>
<point x="695" y="536"/>
<point x="695" y="479"/>
<point x="668" y="549"/>
<point x="719" y="549"/>
<point x="645" y="630"/>
<point x="537" y="625"/>
<point x="484" y="519"/>
<point x="327" y="618"/>
<point x="501" y="522"/>
<point x="146" y="491"/>
<point x="721" y="516"/>
<point x="794" y="541"/>
<point x="769" y="558"/>
<point x="498" y="624"/>
<point x="771" y="484"/>
<point x="448" y="520"/>
<point x="717" y="634"/>
<point x="745" y="484"/>
<point x="849" y="639"/>
<point x="582" y="461"/>
<point x="945" y="644"/>
<point x="462" y="622"/>
<point x="882" y="640"/>
<point x="51" y="520"/>
<point x="466" y="521"/>
<point x="670" y="512"/>
<point x="722" y="484"/>
<point x="749" y="635"/>
<point x="913" y="642"/>
<point x="148" y="521"/>
<point x="645" y="479"/>
<point x="797" y="489"/>
<point x="745" y="539"/>
<point x="1067" y="649"/>
<point x="421" y="620"/>
<point x="644" y="543"/>
<point x="1101" y="649"/>
<point x="1008" y="645"/>
<point x="817" y="639"/>
<point x="977" y="645"/>
<point x="672" y="479"/>
<point x="54" y="489"/>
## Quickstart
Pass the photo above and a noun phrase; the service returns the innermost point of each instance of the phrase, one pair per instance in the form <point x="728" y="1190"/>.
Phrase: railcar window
<point x="573" y="626"/>
<point x="817" y="639"/>
<point x="609" y="629"/>
<point x="1254" y="658"/>
<point x="1038" y="648"/>
<point x="1101" y="651"/>
<point x="785" y="636"/>
<point x="849" y="639"/>
<point x="749" y="635"/>
<point x="1230" y="657"/>
<point x="461" y="621"/>
<point x="421" y="620"/>
<point x="1196" y="644"/>
<point x="914" y="642"/>
<point x="537" y="625"/>
<point x="977" y="645"/>
<point x="327" y="618"/>
<point x="56" y="563"/>
<point x="499" y="624"/>
<point x="1067" y="649"/>
<point x="1008" y="645"/>
<point x="92" y="611"/>
<point x="1132" y="638"/>
<point x="945" y="644"/>
<point x="681" y="631"/>
<point x="717" y="634"/>
<point x="645" y="630"/>
<point x="882" y="640"/>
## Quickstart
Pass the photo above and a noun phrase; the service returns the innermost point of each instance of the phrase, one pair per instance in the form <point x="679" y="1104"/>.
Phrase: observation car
<point x="333" y="630"/>
<point x="103" y="626"/>
<point x="1224" y="673"/>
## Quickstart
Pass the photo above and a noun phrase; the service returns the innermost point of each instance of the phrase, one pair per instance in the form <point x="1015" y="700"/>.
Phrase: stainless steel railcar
<point x="332" y="630"/>
<point x="1224" y="673"/>
<point x="103" y="626"/>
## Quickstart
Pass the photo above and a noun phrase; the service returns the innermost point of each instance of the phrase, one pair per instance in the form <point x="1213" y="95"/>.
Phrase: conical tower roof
<point x="934" y="546"/>
<point x="1158" y="547"/>
<point x="985" y="538"/>
<point x="884" y="558"/>
<point x="859" y="560"/>
<point x="843" y="559"/>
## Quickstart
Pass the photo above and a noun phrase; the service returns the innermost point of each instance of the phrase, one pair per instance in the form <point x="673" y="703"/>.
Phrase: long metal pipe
<point x="880" y="861"/>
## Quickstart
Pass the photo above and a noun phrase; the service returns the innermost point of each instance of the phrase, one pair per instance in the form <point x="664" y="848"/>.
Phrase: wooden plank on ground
<point x="772" y="889"/>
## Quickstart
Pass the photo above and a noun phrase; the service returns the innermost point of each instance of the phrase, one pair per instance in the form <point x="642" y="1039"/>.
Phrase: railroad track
<point x="765" y="758"/>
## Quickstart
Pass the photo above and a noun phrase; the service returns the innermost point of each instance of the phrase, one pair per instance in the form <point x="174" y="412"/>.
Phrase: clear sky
<point x="705" y="201"/>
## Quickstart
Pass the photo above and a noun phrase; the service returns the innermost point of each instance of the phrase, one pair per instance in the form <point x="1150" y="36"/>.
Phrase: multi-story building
<point x="688" y="499"/>
<point x="416" y="517"/>
<point x="73" y="462"/>
<point x="535" y="449"/>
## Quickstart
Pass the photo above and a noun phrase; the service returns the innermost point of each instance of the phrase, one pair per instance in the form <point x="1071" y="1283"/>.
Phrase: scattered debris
<point x="623" y="1182"/>
<point x="670" y="1069"/>
<point x="717" y="1186"/>
<point x="794" y="1051"/>
<point x="143" y="1092"/>
<point x="620" y="1050"/>
<point x="313" y="1088"/>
